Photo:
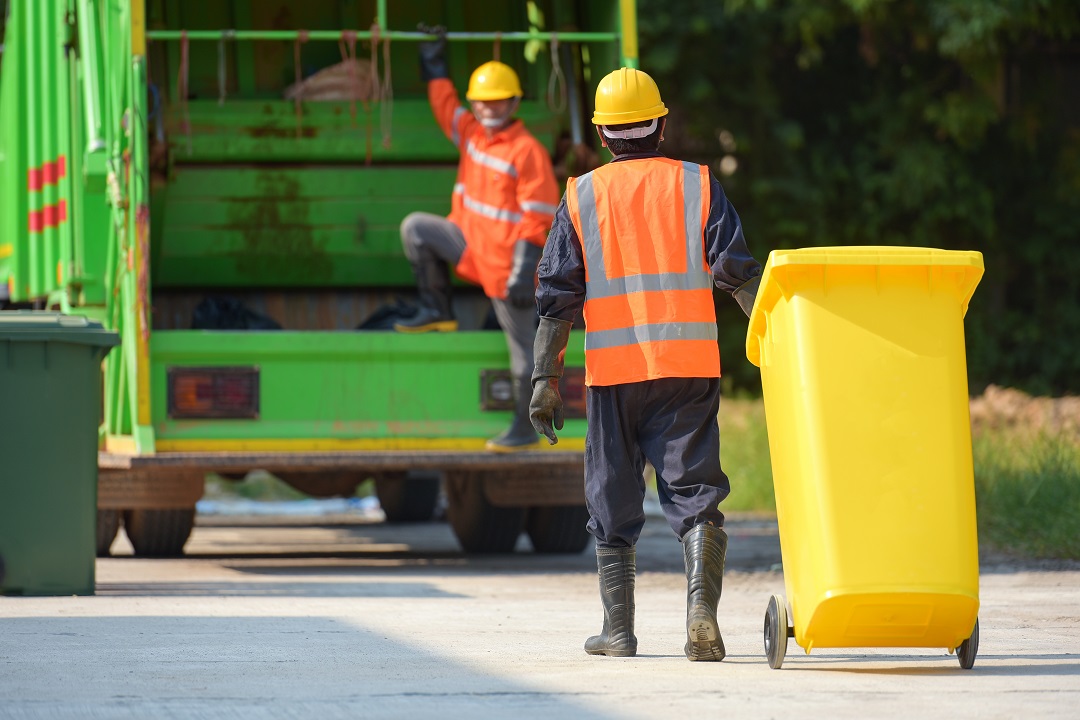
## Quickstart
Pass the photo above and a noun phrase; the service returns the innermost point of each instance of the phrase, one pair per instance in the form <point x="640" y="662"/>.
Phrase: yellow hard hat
<point x="494" y="81"/>
<point x="626" y="96"/>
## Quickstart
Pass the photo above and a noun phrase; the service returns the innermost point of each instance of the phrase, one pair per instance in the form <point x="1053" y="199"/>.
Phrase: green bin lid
<point x="41" y="326"/>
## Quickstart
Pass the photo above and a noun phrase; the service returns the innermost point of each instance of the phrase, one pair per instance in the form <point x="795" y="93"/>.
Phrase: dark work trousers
<point x="672" y="424"/>
<point x="424" y="235"/>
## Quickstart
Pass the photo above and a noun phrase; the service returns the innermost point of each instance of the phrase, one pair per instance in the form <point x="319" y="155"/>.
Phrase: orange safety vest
<point x="648" y="287"/>
<point x="505" y="190"/>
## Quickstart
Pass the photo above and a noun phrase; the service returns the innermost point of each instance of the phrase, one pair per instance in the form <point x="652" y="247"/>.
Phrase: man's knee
<point x="411" y="235"/>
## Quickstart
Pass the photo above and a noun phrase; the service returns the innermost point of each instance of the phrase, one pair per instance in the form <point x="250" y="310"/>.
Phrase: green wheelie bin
<point x="50" y="402"/>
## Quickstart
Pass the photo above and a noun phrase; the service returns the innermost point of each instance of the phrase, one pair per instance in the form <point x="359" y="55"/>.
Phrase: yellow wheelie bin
<point x="863" y="370"/>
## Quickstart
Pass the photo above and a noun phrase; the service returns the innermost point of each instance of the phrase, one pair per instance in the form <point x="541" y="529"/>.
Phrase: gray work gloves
<point x="546" y="407"/>
<point x="746" y="293"/>
<point x="433" y="54"/>
<point x="521" y="286"/>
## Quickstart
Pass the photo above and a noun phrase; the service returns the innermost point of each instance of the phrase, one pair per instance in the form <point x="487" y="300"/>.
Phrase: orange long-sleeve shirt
<point x="505" y="190"/>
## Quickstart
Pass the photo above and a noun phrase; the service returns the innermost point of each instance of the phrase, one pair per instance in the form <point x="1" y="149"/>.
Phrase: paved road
<point x="372" y="621"/>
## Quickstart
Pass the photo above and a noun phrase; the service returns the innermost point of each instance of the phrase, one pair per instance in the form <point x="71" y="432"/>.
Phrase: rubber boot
<point x="617" y="570"/>
<point x="520" y="435"/>
<point x="433" y="288"/>
<point x="704" y="548"/>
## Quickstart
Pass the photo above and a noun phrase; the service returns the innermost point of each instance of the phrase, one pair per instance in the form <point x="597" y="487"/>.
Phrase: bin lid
<point x="42" y="326"/>
<point x="968" y="262"/>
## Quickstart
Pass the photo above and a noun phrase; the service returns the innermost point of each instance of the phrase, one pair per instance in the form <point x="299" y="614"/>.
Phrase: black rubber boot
<point x="520" y="435"/>
<point x="433" y="288"/>
<point x="704" y="548"/>
<point x="617" y="570"/>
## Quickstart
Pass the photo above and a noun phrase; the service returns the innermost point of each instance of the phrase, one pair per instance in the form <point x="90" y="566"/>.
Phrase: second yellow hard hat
<point x="627" y="95"/>
<point x="493" y="81"/>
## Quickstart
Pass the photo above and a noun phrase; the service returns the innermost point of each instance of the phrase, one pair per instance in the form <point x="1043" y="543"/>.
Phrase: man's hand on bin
<point x="521" y="286"/>
<point x="433" y="54"/>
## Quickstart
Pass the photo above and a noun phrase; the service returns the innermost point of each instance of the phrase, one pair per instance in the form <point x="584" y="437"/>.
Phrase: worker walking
<point x="502" y="206"/>
<point x="636" y="247"/>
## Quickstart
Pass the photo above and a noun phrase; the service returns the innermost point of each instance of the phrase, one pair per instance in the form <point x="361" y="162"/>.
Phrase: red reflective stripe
<point x="48" y="216"/>
<point x="49" y="173"/>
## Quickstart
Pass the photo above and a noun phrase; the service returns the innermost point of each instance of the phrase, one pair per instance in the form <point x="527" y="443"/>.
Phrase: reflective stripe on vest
<point x="648" y="311"/>
<point x="455" y="134"/>
<point x="482" y="158"/>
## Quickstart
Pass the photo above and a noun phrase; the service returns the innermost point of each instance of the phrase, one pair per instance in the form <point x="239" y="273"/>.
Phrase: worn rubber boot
<point x="520" y="435"/>
<point x="433" y="289"/>
<point x="617" y="570"/>
<point x="704" y="548"/>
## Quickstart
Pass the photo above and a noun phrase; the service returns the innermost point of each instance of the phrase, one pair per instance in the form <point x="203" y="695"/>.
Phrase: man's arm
<point x="454" y="119"/>
<point x="560" y="292"/>
<point x="734" y="269"/>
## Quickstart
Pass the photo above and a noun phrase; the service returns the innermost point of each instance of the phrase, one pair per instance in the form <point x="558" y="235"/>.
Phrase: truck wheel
<point x="558" y="529"/>
<point x="408" y="497"/>
<point x="159" y="533"/>
<point x="108" y="524"/>
<point x="480" y="527"/>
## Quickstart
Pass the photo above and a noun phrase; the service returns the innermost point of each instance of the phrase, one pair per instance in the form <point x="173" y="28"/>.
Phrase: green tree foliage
<point x="941" y="123"/>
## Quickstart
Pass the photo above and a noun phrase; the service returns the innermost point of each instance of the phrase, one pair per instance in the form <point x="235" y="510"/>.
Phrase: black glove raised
<point x="521" y="286"/>
<point x="546" y="407"/>
<point x="433" y="54"/>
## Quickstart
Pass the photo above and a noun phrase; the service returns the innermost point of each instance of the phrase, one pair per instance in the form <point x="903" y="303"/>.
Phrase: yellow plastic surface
<point x="864" y="374"/>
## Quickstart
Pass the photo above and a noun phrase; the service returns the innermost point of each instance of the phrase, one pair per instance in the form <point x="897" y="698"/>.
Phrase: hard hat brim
<point x="486" y="96"/>
<point x="633" y="116"/>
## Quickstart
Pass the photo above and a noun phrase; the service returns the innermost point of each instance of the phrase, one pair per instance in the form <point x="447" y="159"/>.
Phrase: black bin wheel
<point x="776" y="631"/>
<point x="969" y="648"/>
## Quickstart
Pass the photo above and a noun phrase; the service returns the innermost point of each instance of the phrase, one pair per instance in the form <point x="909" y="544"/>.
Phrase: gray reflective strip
<point x="658" y="332"/>
<point x="692" y="208"/>
<point x="459" y="188"/>
<point x="539" y="207"/>
<point x="490" y="210"/>
<point x="490" y="160"/>
<point x="455" y="135"/>
<point x="600" y="286"/>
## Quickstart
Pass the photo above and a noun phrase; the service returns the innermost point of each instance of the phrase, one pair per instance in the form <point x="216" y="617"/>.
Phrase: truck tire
<point x="159" y="533"/>
<point x="323" y="483"/>
<point x="108" y="524"/>
<point x="481" y="527"/>
<point x="558" y="529"/>
<point x="408" y="497"/>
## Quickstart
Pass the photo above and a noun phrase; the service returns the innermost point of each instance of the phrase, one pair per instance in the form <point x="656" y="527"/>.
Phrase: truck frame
<point x="149" y="165"/>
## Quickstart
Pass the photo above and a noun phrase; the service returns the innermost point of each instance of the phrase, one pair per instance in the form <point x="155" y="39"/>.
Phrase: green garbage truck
<point x="222" y="183"/>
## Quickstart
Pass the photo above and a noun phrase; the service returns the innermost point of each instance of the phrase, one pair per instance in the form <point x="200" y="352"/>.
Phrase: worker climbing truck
<point x="223" y="183"/>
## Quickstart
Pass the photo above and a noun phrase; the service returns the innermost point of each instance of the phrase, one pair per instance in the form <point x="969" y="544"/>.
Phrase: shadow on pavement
<point x="250" y="667"/>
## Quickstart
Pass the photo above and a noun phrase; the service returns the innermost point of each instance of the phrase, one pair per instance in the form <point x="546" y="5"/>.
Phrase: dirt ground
<point x="282" y="619"/>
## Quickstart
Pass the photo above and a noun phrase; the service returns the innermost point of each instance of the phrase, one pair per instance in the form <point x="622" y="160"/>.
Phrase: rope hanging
<point x="386" y="109"/>
<point x="301" y="38"/>
<point x="182" y="87"/>
<point x="347" y="45"/>
<point x="556" y="94"/>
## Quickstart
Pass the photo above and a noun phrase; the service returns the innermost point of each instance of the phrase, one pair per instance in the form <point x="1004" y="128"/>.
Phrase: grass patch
<point x="744" y="455"/>
<point x="1027" y="489"/>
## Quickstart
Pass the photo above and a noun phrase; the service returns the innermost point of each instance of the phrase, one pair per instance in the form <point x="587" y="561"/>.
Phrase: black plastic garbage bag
<point x="385" y="316"/>
<point x="219" y="312"/>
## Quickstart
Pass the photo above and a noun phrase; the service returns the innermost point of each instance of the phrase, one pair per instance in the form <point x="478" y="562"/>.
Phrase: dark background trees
<point x="940" y="123"/>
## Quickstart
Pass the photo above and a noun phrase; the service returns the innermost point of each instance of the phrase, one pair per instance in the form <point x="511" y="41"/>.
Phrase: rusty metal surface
<point x="359" y="460"/>
<point x="537" y="488"/>
<point x="149" y="490"/>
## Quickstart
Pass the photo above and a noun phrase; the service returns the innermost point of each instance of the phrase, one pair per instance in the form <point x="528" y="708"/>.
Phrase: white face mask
<point x="493" y="123"/>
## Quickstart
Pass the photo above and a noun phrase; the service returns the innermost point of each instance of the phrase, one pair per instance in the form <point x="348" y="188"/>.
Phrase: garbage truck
<point x="222" y="183"/>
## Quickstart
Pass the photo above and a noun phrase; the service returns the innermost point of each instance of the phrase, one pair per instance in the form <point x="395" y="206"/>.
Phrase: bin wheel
<point x="776" y="631"/>
<point x="969" y="649"/>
